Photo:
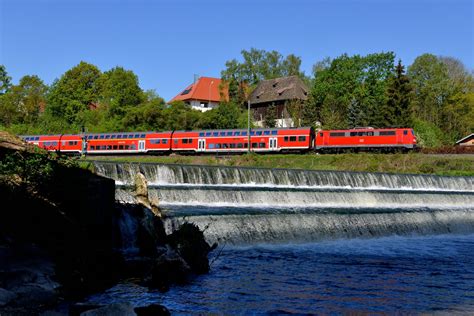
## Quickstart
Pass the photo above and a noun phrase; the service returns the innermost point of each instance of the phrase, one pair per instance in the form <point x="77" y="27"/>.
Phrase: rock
<point x="31" y="295"/>
<point x="169" y="268"/>
<point x="124" y="309"/>
<point x="141" y="194"/>
<point x="152" y="310"/>
<point x="6" y="297"/>
<point x="190" y="243"/>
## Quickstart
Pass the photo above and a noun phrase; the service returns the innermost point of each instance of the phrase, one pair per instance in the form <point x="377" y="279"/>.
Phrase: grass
<point x="417" y="163"/>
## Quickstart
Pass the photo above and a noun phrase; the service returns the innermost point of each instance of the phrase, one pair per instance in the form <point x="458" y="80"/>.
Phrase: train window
<point x="292" y="138"/>
<point x="237" y="134"/>
<point x="222" y="134"/>
<point x="142" y="136"/>
<point x="115" y="147"/>
<point x="254" y="145"/>
<point x="185" y="140"/>
<point x="229" y="133"/>
<point x="101" y="136"/>
<point x="370" y="133"/>
<point x="218" y="146"/>
<point x="301" y="138"/>
<point x="387" y="133"/>
<point x="353" y="134"/>
<point x="176" y="142"/>
<point x="405" y="132"/>
<point x="225" y="145"/>
<point x="337" y="134"/>
<point x="119" y="136"/>
<point x="244" y="133"/>
<point x="113" y="136"/>
<point x="232" y="145"/>
<point x="320" y="134"/>
<point x="208" y="133"/>
<point x="130" y="136"/>
<point x="107" y="136"/>
<point x="261" y="145"/>
<point x="215" y="134"/>
<point x="274" y="132"/>
<point x="133" y="147"/>
<point x="37" y="138"/>
<point x="126" y="146"/>
<point x="201" y="134"/>
<point x="120" y="146"/>
<point x="246" y="145"/>
<point x="96" y="136"/>
<point x="259" y="133"/>
<point x="190" y="140"/>
<point x="211" y="146"/>
<point x="70" y="143"/>
<point x="92" y="147"/>
<point x="165" y="141"/>
<point x="240" y="145"/>
<point x="286" y="138"/>
<point x="252" y="133"/>
<point x="109" y="147"/>
<point x="137" y="135"/>
<point x="266" y="133"/>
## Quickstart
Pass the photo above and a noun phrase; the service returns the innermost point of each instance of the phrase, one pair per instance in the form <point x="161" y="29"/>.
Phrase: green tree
<point x="399" y="95"/>
<point x="270" y="116"/>
<point x="432" y="87"/>
<point x="74" y="92"/>
<point x="119" y="89"/>
<point x="5" y="80"/>
<point x="345" y="80"/>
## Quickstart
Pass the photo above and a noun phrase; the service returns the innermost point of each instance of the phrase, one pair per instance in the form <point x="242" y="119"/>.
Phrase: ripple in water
<point x="388" y="275"/>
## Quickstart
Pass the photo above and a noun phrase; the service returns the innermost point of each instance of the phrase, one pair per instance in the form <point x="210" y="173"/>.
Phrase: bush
<point x="429" y="135"/>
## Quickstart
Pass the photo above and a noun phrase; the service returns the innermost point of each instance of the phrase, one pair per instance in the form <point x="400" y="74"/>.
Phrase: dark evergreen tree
<point x="399" y="92"/>
<point x="270" y="116"/>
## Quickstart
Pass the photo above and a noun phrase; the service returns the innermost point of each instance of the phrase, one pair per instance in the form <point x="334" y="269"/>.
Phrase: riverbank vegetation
<point x="435" y="95"/>
<point x="416" y="163"/>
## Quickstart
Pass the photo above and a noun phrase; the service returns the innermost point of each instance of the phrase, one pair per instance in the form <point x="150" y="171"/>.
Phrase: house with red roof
<point x="204" y="94"/>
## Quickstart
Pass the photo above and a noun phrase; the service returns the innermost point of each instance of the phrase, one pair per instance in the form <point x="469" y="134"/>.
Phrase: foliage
<point x="399" y="95"/>
<point x="428" y="134"/>
<point x="350" y="90"/>
<point x="5" y="80"/>
<point x="74" y="92"/>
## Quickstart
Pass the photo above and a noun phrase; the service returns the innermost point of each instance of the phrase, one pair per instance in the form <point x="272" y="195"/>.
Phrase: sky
<point x="167" y="42"/>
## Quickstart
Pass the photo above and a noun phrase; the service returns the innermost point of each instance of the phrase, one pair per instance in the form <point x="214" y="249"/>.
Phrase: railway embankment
<point x="412" y="163"/>
<point x="62" y="236"/>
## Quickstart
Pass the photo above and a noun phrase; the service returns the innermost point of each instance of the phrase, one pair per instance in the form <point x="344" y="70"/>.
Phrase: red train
<point x="260" y="140"/>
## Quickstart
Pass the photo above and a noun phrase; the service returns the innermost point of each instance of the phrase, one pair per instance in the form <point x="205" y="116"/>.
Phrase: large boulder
<point x="169" y="268"/>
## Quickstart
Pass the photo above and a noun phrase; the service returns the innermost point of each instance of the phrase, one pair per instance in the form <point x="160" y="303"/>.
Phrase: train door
<point x="201" y="145"/>
<point x="273" y="145"/>
<point x="141" y="146"/>
<point x="399" y="136"/>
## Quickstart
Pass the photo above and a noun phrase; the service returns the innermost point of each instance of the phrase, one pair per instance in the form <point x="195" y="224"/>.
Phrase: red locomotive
<point x="260" y="140"/>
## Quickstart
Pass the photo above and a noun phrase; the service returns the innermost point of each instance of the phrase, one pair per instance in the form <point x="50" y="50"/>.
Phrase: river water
<point x="299" y="242"/>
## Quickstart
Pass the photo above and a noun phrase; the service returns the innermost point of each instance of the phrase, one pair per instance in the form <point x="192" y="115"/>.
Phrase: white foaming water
<point x="247" y="205"/>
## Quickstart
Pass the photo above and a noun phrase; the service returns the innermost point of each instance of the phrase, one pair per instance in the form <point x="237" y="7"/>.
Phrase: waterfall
<point x="246" y="205"/>
<point x="159" y="174"/>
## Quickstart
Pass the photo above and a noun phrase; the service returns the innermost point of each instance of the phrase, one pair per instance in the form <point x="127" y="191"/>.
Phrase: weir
<point x="247" y="205"/>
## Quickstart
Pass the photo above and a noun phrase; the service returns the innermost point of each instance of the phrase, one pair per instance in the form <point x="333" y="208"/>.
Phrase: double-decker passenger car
<point x="237" y="140"/>
<point x="365" y="139"/>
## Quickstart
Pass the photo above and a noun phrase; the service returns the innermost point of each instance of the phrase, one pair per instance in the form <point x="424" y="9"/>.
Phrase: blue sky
<point x="166" y="42"/>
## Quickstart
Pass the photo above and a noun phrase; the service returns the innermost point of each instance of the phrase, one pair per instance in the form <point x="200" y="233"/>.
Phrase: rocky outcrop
<point x="142" y="197"/>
